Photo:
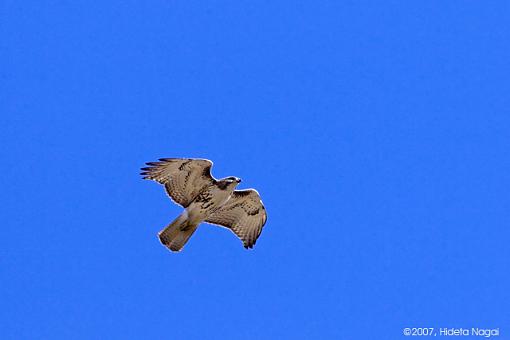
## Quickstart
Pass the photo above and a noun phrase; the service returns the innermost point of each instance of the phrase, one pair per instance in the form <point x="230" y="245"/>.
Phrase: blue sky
<point x="377" y="134"/>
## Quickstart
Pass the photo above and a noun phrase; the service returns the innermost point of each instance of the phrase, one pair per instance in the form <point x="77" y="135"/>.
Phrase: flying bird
<point x="189" y="183"/>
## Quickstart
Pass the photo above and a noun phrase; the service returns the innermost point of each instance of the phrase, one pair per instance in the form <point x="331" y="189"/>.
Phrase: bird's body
<point x="189" y="183"/>
<point x="209" y="199"/>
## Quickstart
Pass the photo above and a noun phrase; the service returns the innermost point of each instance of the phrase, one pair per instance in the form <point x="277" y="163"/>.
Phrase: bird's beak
<point x="238" y="180"/>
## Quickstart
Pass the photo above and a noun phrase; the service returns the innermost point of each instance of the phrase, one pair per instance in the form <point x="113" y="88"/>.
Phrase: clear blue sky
<point x="377" y="134"/>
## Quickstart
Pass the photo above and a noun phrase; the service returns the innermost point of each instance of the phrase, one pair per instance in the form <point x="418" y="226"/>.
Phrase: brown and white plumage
<point x="244" y="214"/>
<point x="189" y="183"/>
<point x="183" y="178"/>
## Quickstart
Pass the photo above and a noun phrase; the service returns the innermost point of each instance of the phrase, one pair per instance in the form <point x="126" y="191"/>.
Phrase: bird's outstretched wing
<point x="183" y="178"/>
<point x="244" y="214"/>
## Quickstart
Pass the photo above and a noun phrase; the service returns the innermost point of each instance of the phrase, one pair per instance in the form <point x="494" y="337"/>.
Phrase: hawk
<point x="189" y="183"/>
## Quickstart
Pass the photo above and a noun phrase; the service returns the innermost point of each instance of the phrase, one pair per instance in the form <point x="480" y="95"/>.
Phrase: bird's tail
<point x="177" y="233"/>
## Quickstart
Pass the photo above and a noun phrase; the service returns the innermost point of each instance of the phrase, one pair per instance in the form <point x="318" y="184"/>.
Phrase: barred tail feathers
<point x="177" y="233"/>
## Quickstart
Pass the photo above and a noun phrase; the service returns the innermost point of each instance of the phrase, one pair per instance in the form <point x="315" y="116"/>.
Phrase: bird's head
<point x="233" y="179"/>
<point x="230" y="182"/>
